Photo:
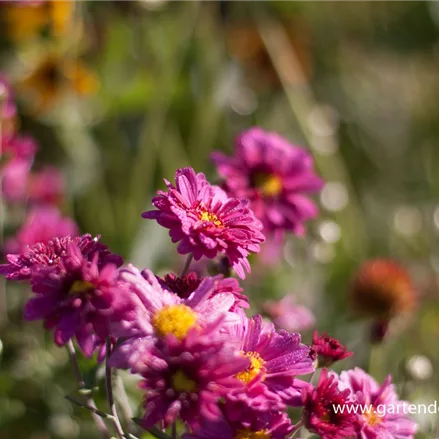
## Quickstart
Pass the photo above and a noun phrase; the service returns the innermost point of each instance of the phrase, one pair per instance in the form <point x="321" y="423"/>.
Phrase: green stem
<point x="187" y="264"/>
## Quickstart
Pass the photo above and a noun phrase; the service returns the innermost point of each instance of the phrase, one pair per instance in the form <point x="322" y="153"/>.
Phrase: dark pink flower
<point x="275" y="176"/>
<point x="186" y="379"/>
<point x="206" y="221"/>
<point x="276" y="357"/>
<point x="21" y="265"/>
<point x="47" y="186"/>
<point x="386" y="416"/>
<point x="74" y="296"/>
<point x="328" y="349"/>
<point x="41" y="225"/>
<point x="327" y="409"/>
<point x="186" y="285"/>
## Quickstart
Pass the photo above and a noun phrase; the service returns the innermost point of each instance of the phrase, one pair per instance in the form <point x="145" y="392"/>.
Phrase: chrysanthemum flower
<point x="387" y="416"/>
<point x="287" y="314"/>
<point x="160" y="312"/>
<point x="249" y="425"/>
<point x="206" y="221"/>
<point x="41" y="225"/>
<point x="276" y="357"/>
<point x="321" y="414"/>
<point x="185" y="379"/>
<point x="382" y="288"/>
<point x="275" y="176"/>
<point x="186" y="285"/>
<point x="328" y="349"/>
<point x="73" y="294"/>
<point x="21" y="265"/>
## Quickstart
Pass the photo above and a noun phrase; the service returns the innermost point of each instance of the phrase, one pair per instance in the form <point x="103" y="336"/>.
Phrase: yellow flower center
<point x="175" y="320"/>
<point x="269" y="184"/>
<point x="211" y="217"/>
<point x="372" y="417"/>
<point x="248" y="434"/>
<point x="80" y="286"/>
<point x="255" y="368"/>
<point x="181" y="383"/>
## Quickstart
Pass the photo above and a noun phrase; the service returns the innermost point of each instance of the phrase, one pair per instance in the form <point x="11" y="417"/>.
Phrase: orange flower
<point x="382" y="288"/>
<point x="25" y="20"/>
<point x="53" y="77"/>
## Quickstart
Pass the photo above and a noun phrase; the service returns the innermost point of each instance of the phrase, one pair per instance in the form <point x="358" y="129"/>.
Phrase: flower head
<point x="73" y="294"/>
<point x="206" y="221"/>
<point x="386" y="415"/>
<point x="20" y="266"/>
<point x="288" y="315"/>
<point x="274" y="175"/>
<point x="46" y="186"/>
<point x="186" y="285"/>
<point x="186" y="379"/>
<point x="382" y="288"/>
<point x="41" y="225"/>
<point x="276" y="358"/>
<point x="328" y="349"/>
<point x="321" y="413"/>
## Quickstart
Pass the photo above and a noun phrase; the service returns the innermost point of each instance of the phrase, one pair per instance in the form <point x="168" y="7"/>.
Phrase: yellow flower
<point x="53" y="77"/>
<point x="25" y="21"/>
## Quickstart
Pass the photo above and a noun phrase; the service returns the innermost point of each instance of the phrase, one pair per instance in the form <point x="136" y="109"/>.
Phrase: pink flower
<point x="47" y="186"/>
<point x="205" y="221"/>
<point x="9" y="108"/>
<point x="20" y="266"/>
<point x="327" y="409"/>
<point x="387" y="415"/>
<point x="328" y="349"/>
<point x="288" y="315"/>
<point x="41" y="225"/>
<point x="275" y="176"/>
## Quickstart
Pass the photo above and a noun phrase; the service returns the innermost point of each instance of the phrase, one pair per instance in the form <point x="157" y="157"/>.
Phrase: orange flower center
<point x="269" y="184"/>
<point x="80" y="286"/>
<point x="372" y="417"/>
<point x="255" y="368"/>
<point x="204" y="215"/>
<point x="248" y="434"/>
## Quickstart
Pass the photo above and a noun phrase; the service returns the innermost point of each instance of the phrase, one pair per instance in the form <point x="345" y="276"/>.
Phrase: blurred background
<point x="119" y="94"/>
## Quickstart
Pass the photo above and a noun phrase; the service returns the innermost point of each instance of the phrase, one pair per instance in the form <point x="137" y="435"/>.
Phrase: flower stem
<point x="297" y="428"/>
<point x="110" y="398"/>
<point x="159" y="434"/>
<point x="174" y="430"/>
<point x="91" y="405"/>
<point x="187" y="264"/>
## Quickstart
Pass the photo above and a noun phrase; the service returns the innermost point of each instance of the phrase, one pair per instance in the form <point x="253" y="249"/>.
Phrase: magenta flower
<point x="186" y="285"/>
<point x="328" y="349"/>
<point x="47" y="186"/>
<point x="386" y="416"/>
<point x="160" y="312"/>
<point x="21" y="265"/>
<point x="41" y="225"/>
<point x="275" y="176"/>
<point x="206" y="221"/>
<point x="186" y="379"/>
<point x="249" y="425"/>
<point x="288" y="315"/>
<point x="75" y="295"/>
<point x="329" y="411"/>
<point x="276" y="358"/>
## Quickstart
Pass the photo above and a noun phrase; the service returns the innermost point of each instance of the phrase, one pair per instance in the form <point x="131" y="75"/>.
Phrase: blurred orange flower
<point x="53" y="77"/>
<point x="25" y="20"/>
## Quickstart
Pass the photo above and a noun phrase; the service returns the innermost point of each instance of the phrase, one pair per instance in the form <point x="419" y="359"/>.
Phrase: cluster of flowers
<point x="201" y="360"/>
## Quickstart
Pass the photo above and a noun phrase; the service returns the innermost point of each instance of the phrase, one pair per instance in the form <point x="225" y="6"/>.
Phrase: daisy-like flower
<point x="41" y="225"/>
<point x="160" y="312"/>
<point x="186" y="285"/>
<point x="276" y="357"/>
<point x="206" y="221"/>
<point x="387" y="416"/>
<point x="328" y="349"/>
<point x="73" y="295"/>
<point x="275" y="176"/>
<point x="186" y="379"/>
<point x="328" y="411"/>
<point x="382" y="288"/>
<point x="20" y="266"/>
<point x="249" y="425"/>
<point x="287" y="314"/>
